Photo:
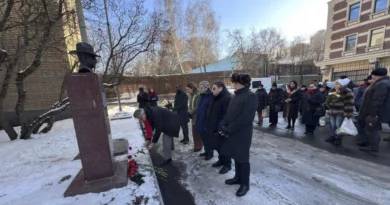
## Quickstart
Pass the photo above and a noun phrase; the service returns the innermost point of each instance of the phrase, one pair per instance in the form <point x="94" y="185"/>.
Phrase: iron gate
<point x="357" y="76"/>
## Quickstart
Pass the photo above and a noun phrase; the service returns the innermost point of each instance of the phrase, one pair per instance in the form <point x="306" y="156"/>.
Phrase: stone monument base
<point x="80" y="186"/>
<point x="121" y="147"/>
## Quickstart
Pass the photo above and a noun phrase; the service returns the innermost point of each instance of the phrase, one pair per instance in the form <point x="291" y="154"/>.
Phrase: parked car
<point x="282" y="86"/>
<point x="330" y="84"/>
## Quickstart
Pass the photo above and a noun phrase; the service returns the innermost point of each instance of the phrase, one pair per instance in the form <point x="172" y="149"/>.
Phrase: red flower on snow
<point x="130" y="148"/>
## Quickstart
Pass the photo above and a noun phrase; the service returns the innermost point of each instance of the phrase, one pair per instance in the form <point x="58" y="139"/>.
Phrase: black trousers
<point x="310" y="128"/>
<point x="184" y="127"/>
<point x="206" y="144"/>
<point x="242" y="172"/>
<point x="273" y="117"/>
<point x="216" y="144"/>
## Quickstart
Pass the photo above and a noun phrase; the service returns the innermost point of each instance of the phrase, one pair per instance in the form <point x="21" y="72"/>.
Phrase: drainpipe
<point x="81" y="18"/>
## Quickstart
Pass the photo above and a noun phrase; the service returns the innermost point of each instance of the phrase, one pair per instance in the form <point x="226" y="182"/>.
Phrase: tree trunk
<point x="5" y="125"/>
<point x="25" y="133"/>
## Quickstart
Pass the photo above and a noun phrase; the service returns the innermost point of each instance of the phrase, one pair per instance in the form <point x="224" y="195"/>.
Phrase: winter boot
<point x="236" y="179"/>
<point x="244" y="175"/>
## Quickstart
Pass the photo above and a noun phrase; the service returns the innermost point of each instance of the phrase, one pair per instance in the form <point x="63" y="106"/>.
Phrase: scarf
<point x="310" y="91"/>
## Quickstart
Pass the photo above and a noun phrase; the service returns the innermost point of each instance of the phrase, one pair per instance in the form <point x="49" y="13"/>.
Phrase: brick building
<point x="43" y="86"/>
<point x="357" y="38"/>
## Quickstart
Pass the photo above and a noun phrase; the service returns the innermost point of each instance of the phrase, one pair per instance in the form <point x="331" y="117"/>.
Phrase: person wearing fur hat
<point x="341" y="106"/>
<point x="237" y="128"/>
<point x="375" y="109"/>
<point x="163" y="121"/>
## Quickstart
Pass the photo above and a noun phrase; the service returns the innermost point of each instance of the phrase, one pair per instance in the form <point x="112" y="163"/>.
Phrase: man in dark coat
<point x="162" y="121"/>
<point x="142" y="98"/>
<point x="215" y="115"/>
<point x="375" y="108"/>
<point x="261" y="95"/>
<point x="181" y="108"/>
<point x="360" y="93"/>
<point x="203" y="105"/>
<point x="316" y="98"/>
<point x="238" y="129"/>
<point x="275" y="98"/>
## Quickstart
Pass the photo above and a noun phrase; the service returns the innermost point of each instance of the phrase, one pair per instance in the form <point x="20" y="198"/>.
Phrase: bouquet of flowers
<point x="332" y="97"/>
<point x="168" y="105"/>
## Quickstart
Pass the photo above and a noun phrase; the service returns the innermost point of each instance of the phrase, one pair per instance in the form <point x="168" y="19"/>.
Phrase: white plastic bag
<point x="265" y="112"/>
<point x="347" y="128"/>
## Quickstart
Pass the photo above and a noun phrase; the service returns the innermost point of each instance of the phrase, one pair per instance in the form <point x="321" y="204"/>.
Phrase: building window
<point x="380" y="5"/>
<point x="354" y="11"/>
<point x="350" y="43"/>
<point x="377" y="37"/>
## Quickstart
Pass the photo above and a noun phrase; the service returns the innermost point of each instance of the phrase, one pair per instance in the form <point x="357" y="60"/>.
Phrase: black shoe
<point x="225" y="170"/>
<point x="362" y="144"/>
<point x="186" y="142"/>
<point x="217" y="164"/>
<point x="203" y="154"/>
<point x="308" y="133"/>
<point x="330" y="139"/>
<point x="386" y="139"/>
<point x="368" y="149"/>
<point x="207" y="158"/>
<point x="197" y="150"/>
<point x="338" y="142"/>
<point x="165" y="162"/>
<point x="288" y="127"/>
<point x="182" y="141"/>
<point x="272" y="125"/>
<point x="292" y="128"/>
<point x="242" y="190"/>
<point x="233" y="181"/>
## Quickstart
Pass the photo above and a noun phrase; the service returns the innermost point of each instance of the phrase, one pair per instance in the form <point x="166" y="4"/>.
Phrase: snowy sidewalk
<point x="286" y="171"/>
<point x="38" y="171"/>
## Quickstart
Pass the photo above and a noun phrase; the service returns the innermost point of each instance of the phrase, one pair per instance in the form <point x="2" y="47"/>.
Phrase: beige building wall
<point x="44" y="85"/>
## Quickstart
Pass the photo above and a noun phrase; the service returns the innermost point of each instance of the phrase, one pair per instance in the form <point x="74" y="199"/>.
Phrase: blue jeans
<point x="335" y="123"/>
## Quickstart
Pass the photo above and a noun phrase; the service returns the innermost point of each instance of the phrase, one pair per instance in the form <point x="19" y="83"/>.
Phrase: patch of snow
<point x="31" y="170"/>
<point x="125" y="108"/>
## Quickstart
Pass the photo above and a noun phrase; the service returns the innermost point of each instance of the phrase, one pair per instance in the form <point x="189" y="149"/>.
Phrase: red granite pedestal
<point x="100" y="172"/>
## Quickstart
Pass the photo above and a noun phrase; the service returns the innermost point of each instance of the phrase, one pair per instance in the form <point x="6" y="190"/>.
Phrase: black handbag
<point x="320" y="111"/>
<point x="278" y="108"/>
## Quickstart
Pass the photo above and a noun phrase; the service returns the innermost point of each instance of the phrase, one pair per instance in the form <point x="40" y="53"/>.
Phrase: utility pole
<point x="81" y="18"/>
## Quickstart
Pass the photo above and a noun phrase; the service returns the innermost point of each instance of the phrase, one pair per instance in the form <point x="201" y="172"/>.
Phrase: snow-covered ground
<point x="31" y="170"/>
<point x="285" y="171"/>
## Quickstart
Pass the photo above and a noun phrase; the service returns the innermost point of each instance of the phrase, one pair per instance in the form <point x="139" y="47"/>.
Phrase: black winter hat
<point x="369" y="77"/>
<point x="379" y="71"/>
<point x="242" y="78"/>
<point x="274" y="85"/>
<point x="141" y="89"/>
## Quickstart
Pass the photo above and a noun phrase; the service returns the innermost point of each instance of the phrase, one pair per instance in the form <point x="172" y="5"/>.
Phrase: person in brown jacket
<point x="341" y="105"/>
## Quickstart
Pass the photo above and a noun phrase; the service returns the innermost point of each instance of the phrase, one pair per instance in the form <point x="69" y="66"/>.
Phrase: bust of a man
<point x="87" y="57"/>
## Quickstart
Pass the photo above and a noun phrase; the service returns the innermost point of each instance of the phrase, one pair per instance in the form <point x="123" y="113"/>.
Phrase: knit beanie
<point x="379" y="71"/>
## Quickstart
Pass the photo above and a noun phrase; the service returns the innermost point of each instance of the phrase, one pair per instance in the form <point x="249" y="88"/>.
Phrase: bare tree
<point x="317" y="45"/>
<point x="203" y="32"/>
<point x="5" y="13"/>
<point x="268" y="41"/>
<point x="35" y="40"/>
<point x="122" y="30"/>
<point x="238" y="47"/>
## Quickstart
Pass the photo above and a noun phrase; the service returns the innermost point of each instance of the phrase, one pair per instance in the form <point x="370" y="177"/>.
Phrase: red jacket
<point x="148" y="130"/>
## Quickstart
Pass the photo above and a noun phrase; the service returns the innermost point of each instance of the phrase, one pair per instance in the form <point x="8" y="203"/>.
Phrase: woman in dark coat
<point x="181" y="108"/>
<point x="238" y="128"/>
<point x="200" y="125"/>
<point x="216" y="112"/>
<point x="275" y="98"/>
<point x="142" y="98"/>
<point x="261" y="95"/>
<point x="316" y="98"/>
<point x="293" y="99"/>
<point x="304" y="100"/>
<point x="153" y="97"/>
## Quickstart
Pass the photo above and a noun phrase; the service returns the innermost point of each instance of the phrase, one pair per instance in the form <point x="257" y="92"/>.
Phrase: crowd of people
<point x="223" y="122"/>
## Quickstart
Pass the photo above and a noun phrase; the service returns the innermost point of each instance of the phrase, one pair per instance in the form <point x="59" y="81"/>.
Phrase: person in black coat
<point x="153" y="97"/>
<point x="162" y="121"/>
<point x="238" y="129"/>
<point x="181" y="108"/>
<point x="217" y="110"/>
<point x="261" y="95"/>
<point x="275" y="98"/>
<point x="200" y="126"/>
<point x="142" y="98"/>
<point x="293" y="99"/>
<point x="316" y="98"/>
<point x="304" y="99"/>
<point x="375" y="108"/>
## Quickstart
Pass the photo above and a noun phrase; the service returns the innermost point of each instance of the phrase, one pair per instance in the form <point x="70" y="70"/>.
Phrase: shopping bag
<point x="347" y="128"/>
<point x="266" y="112"/>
